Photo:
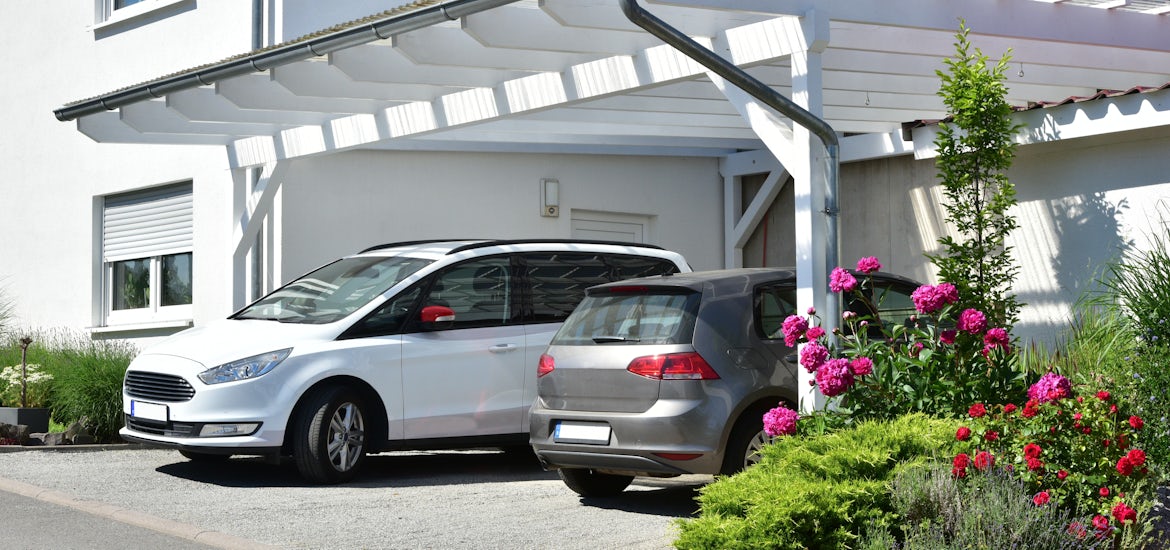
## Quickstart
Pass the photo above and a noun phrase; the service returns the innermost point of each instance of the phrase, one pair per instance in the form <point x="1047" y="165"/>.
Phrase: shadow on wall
<point x="1086" y="219"/>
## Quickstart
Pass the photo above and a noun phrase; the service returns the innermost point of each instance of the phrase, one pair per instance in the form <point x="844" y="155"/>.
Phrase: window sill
<point x="135" y="327"/>
<point x="134" y="12"/>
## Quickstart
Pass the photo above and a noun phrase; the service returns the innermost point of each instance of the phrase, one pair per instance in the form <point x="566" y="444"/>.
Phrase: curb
<point x="131" y="517"/>
<point x="73" y="448"/>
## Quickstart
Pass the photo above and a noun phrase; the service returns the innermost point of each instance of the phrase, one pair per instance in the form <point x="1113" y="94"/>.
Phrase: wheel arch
<point x="376" y="417"/>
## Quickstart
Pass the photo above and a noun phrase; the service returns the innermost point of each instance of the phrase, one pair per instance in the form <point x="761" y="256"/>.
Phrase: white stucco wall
<point x="339" y="204"/>
<point x="50" y="174"/>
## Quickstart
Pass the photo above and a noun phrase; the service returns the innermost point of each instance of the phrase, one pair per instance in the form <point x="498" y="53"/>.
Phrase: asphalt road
<point x="450" y="499"/>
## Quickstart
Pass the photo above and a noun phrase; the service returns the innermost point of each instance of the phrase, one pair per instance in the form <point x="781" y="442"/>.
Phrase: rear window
<point x="631" y="318"/>
<point x="557" y="280"/>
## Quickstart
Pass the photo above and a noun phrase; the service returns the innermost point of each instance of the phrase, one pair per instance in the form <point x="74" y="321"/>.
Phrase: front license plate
<point x="149" y="411"/>
<point x="594" y="433"/>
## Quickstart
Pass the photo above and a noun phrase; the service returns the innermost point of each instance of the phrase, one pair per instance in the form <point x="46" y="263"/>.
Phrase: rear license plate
<point x="594" y="433"/>
<point x="149" y="411"/>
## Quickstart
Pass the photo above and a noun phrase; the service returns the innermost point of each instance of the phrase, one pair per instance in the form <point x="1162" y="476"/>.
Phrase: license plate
<point x="149" y="411"/>
<point x="594" y="433"/>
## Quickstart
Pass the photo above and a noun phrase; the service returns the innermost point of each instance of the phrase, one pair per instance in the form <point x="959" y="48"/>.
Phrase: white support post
<point x="809" y="171"/>
<point x="251" y="207"/>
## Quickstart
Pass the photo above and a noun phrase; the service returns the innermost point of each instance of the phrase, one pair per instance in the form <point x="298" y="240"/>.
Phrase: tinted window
<point x="480" y="292"/>
<point x="892" y="301"/>
<point x="388" y="319"/>
<point x="773" y="305"/>
<point x="631" y="318"/>
<point x="557" y="280"/>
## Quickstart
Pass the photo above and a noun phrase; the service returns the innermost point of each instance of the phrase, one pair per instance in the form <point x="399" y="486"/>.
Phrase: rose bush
<point x="1076" y="450"/>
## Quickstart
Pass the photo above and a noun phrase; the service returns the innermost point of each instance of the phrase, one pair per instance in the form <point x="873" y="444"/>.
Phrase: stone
<point x="17" y="432"/>
<point x="83" y="439"/>
<point x="55" y="439"/>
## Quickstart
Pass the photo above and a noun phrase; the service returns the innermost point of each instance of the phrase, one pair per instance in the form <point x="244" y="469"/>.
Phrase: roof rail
<point x="409" y="243"/>
<point x="498" y="242"/>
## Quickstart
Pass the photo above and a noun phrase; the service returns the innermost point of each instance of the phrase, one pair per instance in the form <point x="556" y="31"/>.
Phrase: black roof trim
<point x="410" y="243"/>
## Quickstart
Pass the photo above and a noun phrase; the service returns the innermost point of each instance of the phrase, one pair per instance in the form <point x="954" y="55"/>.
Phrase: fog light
<point x="223" y="430"/>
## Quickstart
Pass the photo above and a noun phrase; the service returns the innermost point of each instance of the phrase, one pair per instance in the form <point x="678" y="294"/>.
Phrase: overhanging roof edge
<point x="423" y="13"/>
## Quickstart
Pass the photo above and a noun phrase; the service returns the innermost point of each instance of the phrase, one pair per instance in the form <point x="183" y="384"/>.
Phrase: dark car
<point x="670" y="375"/>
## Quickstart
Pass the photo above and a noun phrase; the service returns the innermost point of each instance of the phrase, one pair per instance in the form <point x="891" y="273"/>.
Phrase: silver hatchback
<point x="671" y="375"/>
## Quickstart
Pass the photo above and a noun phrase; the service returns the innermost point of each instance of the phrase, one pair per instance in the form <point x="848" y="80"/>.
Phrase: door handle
<point x="503" y="348"/>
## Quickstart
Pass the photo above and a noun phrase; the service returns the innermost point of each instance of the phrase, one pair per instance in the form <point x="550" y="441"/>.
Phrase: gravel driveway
<point x="452" y="499"/>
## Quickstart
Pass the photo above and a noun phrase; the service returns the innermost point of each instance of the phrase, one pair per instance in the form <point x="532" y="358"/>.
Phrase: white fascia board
<point x="1014" y="18"/>
<point x="874" y="146"/>
<point x="1125" y="113"/>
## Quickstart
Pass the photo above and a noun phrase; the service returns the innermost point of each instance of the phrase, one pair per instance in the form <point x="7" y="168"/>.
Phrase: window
<point x="773" y="305"/>
<point x="480" y="292"/>
<point x="112" y="12"/>
<point x="558" y="279"/>
<point x="147" y="256"/>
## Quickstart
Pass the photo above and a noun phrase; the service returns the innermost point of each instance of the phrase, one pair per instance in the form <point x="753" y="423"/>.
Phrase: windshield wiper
<point x="614" y="339"/>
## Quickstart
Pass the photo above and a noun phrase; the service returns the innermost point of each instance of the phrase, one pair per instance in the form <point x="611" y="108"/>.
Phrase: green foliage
<point x="916" y="368"/>
<point x="818" y="491"/>
<point x="987" y="510"/>
<point x="1072" y="448"/>
<point x="975" y="151"/>
<point x="1097" y="348"/>
<point x="1138" y="283"/>
<point x="24" y="386"/>
<point x="87" y="378"/>
<point x="1144" y="391"/>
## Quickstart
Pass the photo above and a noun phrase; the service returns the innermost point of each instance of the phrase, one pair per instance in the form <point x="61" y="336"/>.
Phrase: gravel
<point x="451" y="499"/>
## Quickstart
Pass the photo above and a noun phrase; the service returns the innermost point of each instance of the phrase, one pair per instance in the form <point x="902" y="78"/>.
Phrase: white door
<point x="468" y="378"/>
<point x="609" y="227"/>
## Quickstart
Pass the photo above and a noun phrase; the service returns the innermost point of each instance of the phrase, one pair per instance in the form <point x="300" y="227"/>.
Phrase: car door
<point x="466" y="377"/>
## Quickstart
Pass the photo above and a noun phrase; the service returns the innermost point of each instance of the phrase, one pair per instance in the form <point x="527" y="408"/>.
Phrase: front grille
<point x="153" y="386"/>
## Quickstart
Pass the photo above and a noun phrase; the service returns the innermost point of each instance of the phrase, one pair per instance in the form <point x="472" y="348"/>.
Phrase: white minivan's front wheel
<point x="329" y="435"/>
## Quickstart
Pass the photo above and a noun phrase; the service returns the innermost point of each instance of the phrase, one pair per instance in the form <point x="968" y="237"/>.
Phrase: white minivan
<point x="430" y="344"/>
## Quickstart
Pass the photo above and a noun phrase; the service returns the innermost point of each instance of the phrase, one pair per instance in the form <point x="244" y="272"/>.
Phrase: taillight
<point x="545" y="365"/>
<point x="675" y="366"/>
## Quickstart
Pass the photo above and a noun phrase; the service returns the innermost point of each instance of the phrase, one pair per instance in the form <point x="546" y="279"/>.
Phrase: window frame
<point x="106" y="15"/>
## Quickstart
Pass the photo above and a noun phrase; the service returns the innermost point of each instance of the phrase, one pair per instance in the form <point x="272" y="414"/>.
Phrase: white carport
<point x="576" y="76"/>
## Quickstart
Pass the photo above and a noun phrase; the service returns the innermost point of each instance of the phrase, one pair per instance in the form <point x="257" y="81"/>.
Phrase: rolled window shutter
<point x="148" y="223"/>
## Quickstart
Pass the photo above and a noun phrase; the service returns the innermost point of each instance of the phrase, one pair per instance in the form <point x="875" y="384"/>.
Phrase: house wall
<point x="1080" y="203"/>
<point x="342" y="203"/>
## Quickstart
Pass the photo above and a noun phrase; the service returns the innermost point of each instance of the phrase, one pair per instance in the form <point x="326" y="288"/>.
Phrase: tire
<point x="744" y="444"/>
<point x="591" y="483"/>
<point x="204" y="458"/>
<point x="329" y="435"/>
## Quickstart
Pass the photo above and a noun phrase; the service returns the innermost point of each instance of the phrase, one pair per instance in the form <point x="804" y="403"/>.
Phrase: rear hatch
<point x="619" y="343"/>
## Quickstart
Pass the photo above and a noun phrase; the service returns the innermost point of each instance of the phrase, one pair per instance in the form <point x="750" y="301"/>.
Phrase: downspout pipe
<point x="260" y="61"/>
<point x="746" y="82"/>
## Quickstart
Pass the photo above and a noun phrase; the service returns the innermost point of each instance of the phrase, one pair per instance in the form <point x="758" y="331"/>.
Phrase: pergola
<point x="577" y="76"/>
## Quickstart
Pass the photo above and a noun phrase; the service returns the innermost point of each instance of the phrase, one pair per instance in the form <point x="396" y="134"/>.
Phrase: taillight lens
<point x="545" y="365"/>
<point x="674" y="366"/>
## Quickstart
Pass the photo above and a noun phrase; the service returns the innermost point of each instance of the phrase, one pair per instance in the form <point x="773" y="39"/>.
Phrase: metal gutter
<point x="733" y="74"/>
<point x="364" y="33"/>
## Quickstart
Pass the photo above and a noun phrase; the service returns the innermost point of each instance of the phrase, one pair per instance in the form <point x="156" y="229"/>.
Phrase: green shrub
<point x="986" y="510"/>
<point x="87" y="378"/>
<point x="1144" y="390"/>
<point x="819" y="491"/>
<point x="1138" y="282"/>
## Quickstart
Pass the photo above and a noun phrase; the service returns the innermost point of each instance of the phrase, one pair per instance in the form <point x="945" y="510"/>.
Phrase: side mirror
<point x="434" y="317"/>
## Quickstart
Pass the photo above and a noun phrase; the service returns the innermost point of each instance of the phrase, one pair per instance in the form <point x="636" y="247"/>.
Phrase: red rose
<point x="1031" y="408"/>
<point x="961" y="460"/>
<point x="1032" y="450"/>
<point x="1100" y="522"/>
<point x="1061" y="475"/>
<point x="1136" y="423"/>
<point x="1137" y="457"/>
<point x="984" y="460"/>
<point x="1103" y="395"/>
<point x="977" y="410"/>
<point x="1124" y="514"/>
<point x="1112" y="409"/>
<point x="1041" y="498"/>
<point x="991" y="435"/>
<point x="1104" y="492"/>
<point x="1124" y="466"/>
<point x="963" y="434"/>
<point x="1009" y="408"/>
<point x="1035" y="464"/>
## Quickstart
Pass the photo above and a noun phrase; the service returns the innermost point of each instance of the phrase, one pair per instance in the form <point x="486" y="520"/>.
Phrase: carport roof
<point x="576" y="76"/>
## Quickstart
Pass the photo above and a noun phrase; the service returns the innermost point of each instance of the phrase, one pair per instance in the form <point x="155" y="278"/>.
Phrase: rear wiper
<point x="613" y="339"/>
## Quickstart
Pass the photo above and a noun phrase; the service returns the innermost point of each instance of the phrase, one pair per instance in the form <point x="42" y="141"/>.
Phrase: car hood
<point x="227" y="340"/>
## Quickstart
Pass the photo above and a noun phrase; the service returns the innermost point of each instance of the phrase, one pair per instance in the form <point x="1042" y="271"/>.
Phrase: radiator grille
<point x="153" y="386"/>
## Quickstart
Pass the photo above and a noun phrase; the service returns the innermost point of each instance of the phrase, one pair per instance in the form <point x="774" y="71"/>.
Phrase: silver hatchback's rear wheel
<point x="329" y="435"/>
<point x="591" y="483"/>
<point x="744" y="445"/>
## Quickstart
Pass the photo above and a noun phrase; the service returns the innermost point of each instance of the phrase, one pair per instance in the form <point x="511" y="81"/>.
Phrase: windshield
<point x="334" y="291"/>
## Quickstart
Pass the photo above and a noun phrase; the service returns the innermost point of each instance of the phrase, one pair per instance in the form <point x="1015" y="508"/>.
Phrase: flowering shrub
<point x="1079" y="452"/>
<point x="780" y="421"/>
<point x="937" y="361"/>
<point x="36" y="386"/>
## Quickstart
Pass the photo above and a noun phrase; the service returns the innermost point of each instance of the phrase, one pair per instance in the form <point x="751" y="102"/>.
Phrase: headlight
<point x="250" y="367"/>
